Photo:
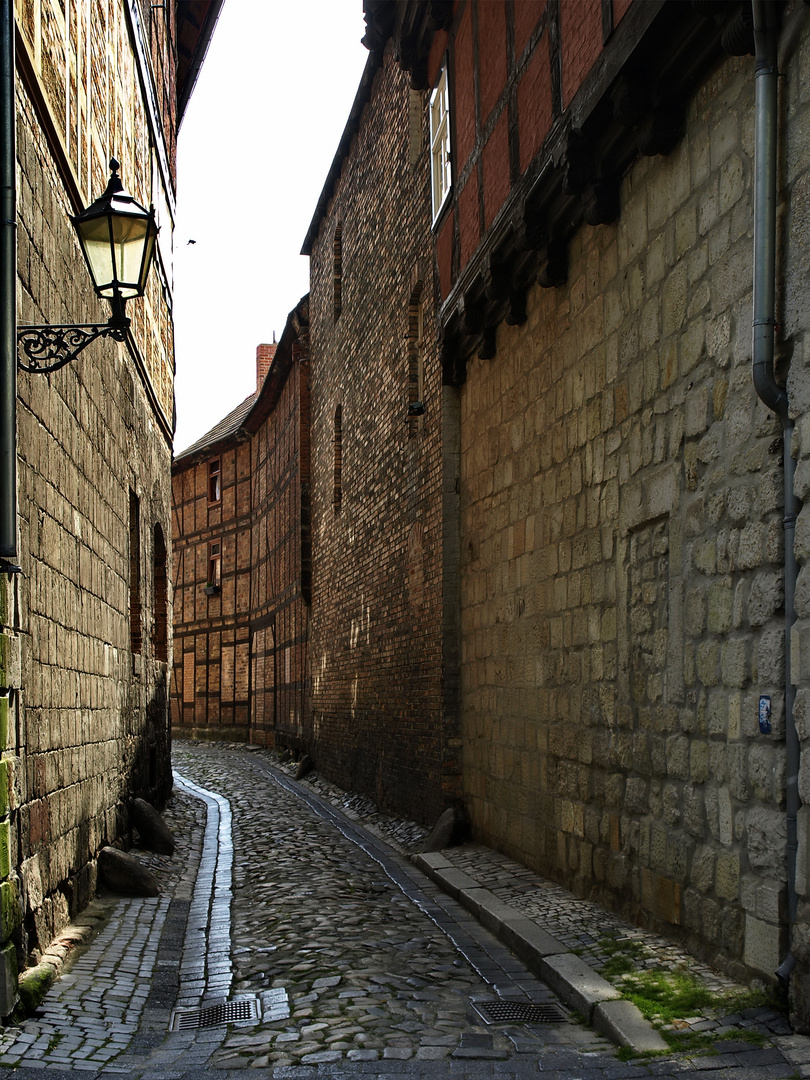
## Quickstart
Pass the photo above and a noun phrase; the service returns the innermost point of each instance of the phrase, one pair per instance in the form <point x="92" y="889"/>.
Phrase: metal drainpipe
<point x="769" y="391"/>
<point x="8" y="294"/>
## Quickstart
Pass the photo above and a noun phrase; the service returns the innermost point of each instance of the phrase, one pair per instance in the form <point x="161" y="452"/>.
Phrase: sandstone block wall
<point x="622" y="552"/>
<point x="92" y="725"/>
<point x="85" y="627"/>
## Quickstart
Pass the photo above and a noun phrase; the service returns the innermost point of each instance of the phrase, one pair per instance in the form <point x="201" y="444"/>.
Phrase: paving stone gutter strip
<point x="574" y="981"/>
<point x="207" y="950"/>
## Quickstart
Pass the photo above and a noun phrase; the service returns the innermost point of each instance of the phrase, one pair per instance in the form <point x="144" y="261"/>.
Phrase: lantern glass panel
<point x="130" y="238"/>
<point x="95" y="237"/>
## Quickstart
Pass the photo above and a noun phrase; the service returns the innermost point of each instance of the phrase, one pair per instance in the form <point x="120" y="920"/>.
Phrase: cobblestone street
<point x="290" y="941"/>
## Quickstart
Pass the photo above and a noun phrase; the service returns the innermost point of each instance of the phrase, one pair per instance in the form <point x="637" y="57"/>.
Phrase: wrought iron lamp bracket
<point x="49" y="348"/>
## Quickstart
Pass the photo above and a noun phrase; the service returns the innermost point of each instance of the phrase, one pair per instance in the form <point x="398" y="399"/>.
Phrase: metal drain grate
<point x="500" y="1012"/>
<point x="243" y="1010"/>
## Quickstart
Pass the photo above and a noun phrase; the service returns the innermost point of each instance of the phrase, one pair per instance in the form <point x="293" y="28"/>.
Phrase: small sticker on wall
<point x="765" y="715"/>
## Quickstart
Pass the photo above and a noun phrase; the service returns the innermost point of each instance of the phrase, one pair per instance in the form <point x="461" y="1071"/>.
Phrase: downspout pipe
<point x="8" y="294"/>
<point x="773" y="395"/>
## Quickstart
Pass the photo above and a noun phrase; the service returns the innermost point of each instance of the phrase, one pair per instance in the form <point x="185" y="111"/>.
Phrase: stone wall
<point x="622" y="553"/>
<point x="86" y="722"/>
<point x="794" y="313"/>
<point x="384" y="587"/>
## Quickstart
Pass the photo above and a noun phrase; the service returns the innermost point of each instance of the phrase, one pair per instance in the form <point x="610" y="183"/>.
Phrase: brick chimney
<point x="264" y="358"/>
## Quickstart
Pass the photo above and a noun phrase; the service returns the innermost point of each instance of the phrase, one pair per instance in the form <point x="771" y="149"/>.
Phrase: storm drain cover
<point x="502" y="1012"/>
<point x="243" y="1010"/>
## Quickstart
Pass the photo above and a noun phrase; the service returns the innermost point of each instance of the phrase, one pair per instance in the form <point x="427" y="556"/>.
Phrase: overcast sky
<point x="255" y="145"/>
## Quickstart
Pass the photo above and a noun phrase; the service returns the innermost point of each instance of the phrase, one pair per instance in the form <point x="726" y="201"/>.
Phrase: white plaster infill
<point x="206" y="973"/>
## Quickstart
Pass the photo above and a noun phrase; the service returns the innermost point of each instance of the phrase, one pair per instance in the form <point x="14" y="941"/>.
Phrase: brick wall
<point x="515" y="70"/>
<point x="621" y="542"/>
<point x="383" y="711"/>
<point x="211" y="629"/>
<point x="241" y="652"/>
<point x="280" y="616"/>
<point x="581" y="38"/>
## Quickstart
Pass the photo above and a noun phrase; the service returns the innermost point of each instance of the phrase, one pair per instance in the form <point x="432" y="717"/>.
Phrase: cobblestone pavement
<point x="319" y="951"/>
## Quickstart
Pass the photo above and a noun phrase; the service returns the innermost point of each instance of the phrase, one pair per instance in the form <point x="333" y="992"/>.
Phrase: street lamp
<point x="117" y="236"/>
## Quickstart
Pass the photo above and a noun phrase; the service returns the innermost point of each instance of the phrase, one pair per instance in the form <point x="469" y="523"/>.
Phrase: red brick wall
<point x="581" y="40"/>
<point x="534" y="104"/>
<point x="463" y="102"/>
<point x="279" y="615"/>
<point x="468" y="213"/>
<point x="381" y="719"/>
<point x="240" y="656"/>
<point x="495" y="158"/>
<point x="211" y="633"/>
<point x="527" y="16"/>
<point x="491" y="55"/>
<point x="444" y="254"/>
<point x="264" y="358"/>
<point x="501" y="84"/>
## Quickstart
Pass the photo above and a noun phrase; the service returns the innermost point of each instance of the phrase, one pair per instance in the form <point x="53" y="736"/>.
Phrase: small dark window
<point x="135" y="632"/>
<point x="214" y="562"/>
<point x="415" y="112"/>
<point x="338" y="492"/>
<point x="338" y="270"/>
<point x="214" y="486"/>
<point x="416" y="361"/>
<point x="160" y="638"/>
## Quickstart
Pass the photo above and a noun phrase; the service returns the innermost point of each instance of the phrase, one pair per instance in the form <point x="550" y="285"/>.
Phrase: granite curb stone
<point x="570" y="977"/>
<point x="622" y="1022"/>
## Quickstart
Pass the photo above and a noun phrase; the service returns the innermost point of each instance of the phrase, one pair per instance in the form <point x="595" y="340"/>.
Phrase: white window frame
<point x="440" y="172"/>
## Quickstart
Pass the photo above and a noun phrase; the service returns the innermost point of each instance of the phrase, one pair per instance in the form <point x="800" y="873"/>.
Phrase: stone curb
<point x="571" y="979"/>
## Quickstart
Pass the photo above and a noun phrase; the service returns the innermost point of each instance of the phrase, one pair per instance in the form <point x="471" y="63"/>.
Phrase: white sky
<point x="255" y="145"/>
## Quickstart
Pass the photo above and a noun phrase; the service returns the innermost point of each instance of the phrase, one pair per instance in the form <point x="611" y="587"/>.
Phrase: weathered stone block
<point x="661" y="896"/>
<point x="764" y="944"/>
<point x="693" y="806"/>
<point x="699" y="762"/>
<point x="725" y="816"/>
<point x="10" y="914"/>
<point x="727" y="879"/>
<point x="5" y="780"/>
<point x="5" y="848"/>
<point x="803" y="853"/>
<point x="8" y="979"/>
<point x="702" y="875"/>
<point x="767" y="836"/>
<point x="720" y="601"/>
<point x="735" y="664"/>
<point x="678" y="757"/>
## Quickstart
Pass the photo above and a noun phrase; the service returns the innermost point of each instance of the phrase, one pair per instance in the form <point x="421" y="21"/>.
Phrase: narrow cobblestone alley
<point x="291" y="942"/>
